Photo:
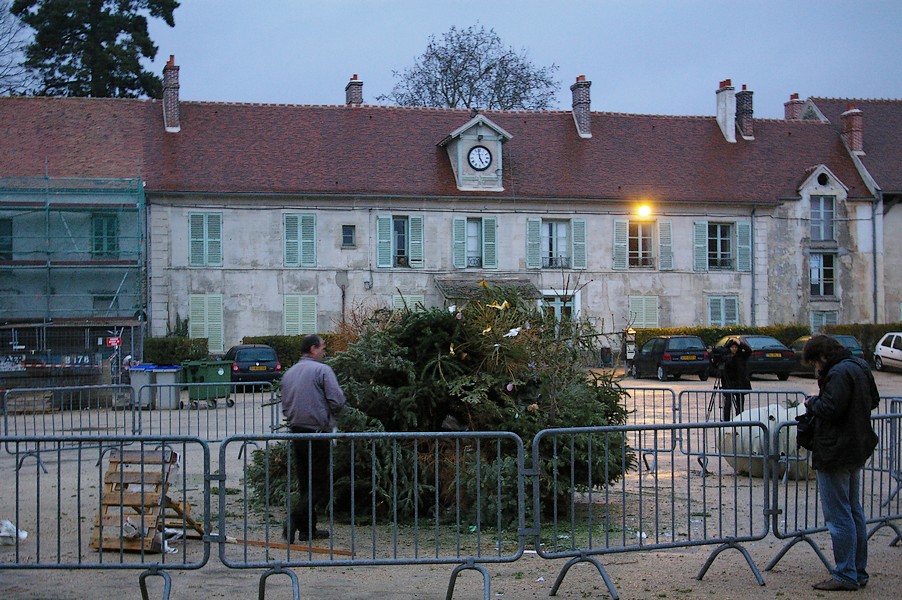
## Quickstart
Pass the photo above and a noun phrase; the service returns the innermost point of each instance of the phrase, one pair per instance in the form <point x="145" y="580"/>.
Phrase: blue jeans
<point x="840" y="493"/>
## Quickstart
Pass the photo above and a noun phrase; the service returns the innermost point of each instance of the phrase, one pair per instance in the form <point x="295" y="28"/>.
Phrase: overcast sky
<point x="642" y="56"/>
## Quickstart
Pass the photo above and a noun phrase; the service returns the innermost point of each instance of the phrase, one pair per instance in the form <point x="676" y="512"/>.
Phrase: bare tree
<point x="471" y="68"/>
<point x="15" y="77"/>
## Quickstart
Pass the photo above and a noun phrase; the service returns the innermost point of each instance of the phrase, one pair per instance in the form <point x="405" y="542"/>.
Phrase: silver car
<point x="888" y="353"/>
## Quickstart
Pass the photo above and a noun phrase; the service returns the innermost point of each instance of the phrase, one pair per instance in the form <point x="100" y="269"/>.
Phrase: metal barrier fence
<point x="458" y="498"/>
<point x="116" y="503"/>
<point x="66" y="411"/>
<point x="211" y="411"/>
<point x="650" y="406"/>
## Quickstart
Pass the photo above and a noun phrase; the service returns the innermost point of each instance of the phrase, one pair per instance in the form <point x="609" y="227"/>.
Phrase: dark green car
<point x="849" y="341"/>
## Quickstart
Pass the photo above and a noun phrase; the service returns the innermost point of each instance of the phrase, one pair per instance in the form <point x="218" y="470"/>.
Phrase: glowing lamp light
<point x="644" y="210"/>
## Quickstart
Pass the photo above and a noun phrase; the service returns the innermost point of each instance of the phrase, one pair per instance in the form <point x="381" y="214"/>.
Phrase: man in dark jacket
<point x="843" y="442"/>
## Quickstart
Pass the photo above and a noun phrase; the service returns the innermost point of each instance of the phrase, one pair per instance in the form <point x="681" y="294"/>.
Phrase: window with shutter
<point x="643" y="311"/>
<point x="414" y="302"/>
<point x="578" y="227"/>
<point x="723" y="310"/>
<point x="489" y="243"/>
<point x="205" y="319"/>
<point x="299" y="315"/>
<point x="459" y="242"/>
<point x="822" y="318"/>
<point x="383" y="241"/>
<point x="533" y="243"/>
<point x="205" y="240"/>
<point x="700" y="246"/>
<point x="416" y="242"/>
<point x="621" y="235"/>
<point x="744" y="246"/>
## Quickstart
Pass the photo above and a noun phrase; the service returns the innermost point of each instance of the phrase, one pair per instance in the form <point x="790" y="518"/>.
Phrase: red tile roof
<point x="302" y="149"/>
<point x="882" y="124"/>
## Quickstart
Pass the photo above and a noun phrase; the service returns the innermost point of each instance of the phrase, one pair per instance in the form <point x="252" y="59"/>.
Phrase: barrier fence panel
<point x="110" y="502"/>
<point x="703" y="406"/>
<point x="66" y="411"/>
<point x="211" y="411"/>
<point x="396" y="498"/>
<point x="797" y="512"/>
<point x="676" y="505"/>
<point x="650" y="406"/>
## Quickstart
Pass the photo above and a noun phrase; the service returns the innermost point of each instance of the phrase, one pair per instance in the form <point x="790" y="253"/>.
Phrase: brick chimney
<point x="745" y="114"/>
<point x="582" y="106"/>
<point x="171" y="120"/>
<point x="726" y="110"/>
<point x="354" y="92"/>
<point x="851" y="122"/>
<point x="793" y="108"/>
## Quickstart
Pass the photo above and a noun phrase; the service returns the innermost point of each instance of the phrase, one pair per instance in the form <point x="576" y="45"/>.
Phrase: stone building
<point x="271" y="219"/>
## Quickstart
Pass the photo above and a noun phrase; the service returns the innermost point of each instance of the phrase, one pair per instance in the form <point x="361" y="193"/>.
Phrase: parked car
<point x="674" y="355"/>
<point x="849" y="341"/>
<point x="888" y="352"/>
<point x="254" y="363"/>
<point x="769" y="355"/>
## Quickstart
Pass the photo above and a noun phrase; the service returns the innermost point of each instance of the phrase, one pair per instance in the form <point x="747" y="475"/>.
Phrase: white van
<point x="888" y="353"/>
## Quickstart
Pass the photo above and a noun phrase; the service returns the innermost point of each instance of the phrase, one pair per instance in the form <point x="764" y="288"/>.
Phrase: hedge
<point x="174" y="350"/>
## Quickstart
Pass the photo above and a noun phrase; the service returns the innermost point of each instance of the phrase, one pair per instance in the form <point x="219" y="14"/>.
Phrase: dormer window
<point x="475" y="152"/>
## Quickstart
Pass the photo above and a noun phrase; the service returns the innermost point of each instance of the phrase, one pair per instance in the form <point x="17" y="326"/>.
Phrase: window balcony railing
<point x="642" y="262"/>
<point x="556" y="262"/>
<point x="721" y="263"/>
<point x="474" y="261"/>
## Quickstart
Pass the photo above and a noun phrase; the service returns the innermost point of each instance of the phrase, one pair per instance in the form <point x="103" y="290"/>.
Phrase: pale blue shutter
<point x="715" y="311"/>
<point x="665" y="246"/>
<point x="533" y="243"/>
<point x="383" y="242"/>
<point x="700" y="246"/>
<point x="292" y="251"/>
<point x="731" y="310"/>
<point x="214" y="240"/>
<point x="489" y="243"/>
<point x="412" y="302"/>
<point x="743" y="246"/>
<point x="205" y="319"/>
<point x="416" y="242"/>
<point x="308" y="240"/>
<point x="291" y="315"/>
<point x="214" y="323"/>
<point x="644" y="311"/>
<point x="459" y="243"/>
<point x="578" y="227"/>
<point x="621" y="235"/>
<point x="196" y="243"/>
<point x="307" y="315"/>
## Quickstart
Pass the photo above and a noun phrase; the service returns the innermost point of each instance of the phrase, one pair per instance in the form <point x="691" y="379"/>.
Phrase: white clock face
<point x="479" y="158"/>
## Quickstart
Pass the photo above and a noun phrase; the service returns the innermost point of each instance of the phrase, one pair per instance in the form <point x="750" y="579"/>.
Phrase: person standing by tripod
<point x="734" y="375"/>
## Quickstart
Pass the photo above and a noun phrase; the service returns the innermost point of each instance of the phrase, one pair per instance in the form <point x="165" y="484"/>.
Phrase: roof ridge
<point x="834" y="99"/>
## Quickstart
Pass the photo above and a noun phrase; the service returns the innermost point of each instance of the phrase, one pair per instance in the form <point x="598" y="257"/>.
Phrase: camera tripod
<point x="717" y="391"/>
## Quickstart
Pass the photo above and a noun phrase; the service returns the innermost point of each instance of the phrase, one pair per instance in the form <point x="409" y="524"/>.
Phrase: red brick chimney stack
<point x="354" y="92"/>
<point x="745" y="114"/>
<point x="852" y="122"/>
<point x="793" y="108"/>
<point x="171" y="118"/>
<point x="582" y="106"/>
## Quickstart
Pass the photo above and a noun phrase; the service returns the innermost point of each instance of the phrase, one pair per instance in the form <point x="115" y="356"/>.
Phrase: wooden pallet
<point x="135" y="505"/>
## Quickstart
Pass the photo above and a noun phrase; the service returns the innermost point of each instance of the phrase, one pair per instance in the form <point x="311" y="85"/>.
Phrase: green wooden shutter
<point x="644" y="311"/>
<point x="291" y="315"/>
<point x="715" y="311"/>
<point x="731" y="310"/>
<point x="459" y="243"/>
<point x="383" y="242"/>
<point x="205" y="319"/>
<point x="489" y="243"/>
<point x="700" y="246"/>
<point x="410" y="301"/>
<point x="533" y="243"/>
<point x="665" y="245"/>
<point x="308" y="240"/>
<point x="415" y="226"/>
<point x="743" y="246"/>
<point x="308" y="315"/>
<point x="578" y="244"/>
<point x="621" y="235"/>
<point x="292" y="255"/>
<point x="196" y="243"/>
<point x="214" y="240"/>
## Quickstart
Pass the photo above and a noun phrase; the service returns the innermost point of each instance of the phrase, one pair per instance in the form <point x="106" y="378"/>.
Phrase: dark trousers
<point x="311" y="465"/>
<point x="731" y="401"/>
